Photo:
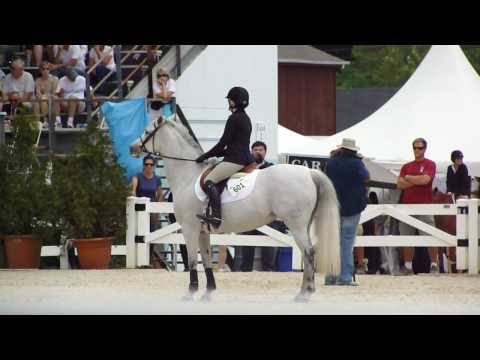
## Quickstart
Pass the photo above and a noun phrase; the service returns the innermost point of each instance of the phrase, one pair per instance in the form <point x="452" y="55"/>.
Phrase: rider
<point x="234" y="147"/>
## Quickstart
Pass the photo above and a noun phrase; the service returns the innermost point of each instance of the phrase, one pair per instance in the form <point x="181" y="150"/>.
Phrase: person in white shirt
<point x="71" y="87"/>
<point x="163" y="90"/>
<point x="18" y="86"/>
<point x="107" y="63"/>
<point x="68" y="55"/>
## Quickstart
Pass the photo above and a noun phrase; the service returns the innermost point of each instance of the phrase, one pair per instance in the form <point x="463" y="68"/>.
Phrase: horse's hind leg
<point x="207" y="259"/>
<point x="191" y="233"/>
<point x="303" y="241"/>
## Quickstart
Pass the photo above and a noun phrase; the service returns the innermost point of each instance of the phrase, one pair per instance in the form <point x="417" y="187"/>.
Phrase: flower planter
<point x="94" y="253"/>
<point x="22" y="251"/>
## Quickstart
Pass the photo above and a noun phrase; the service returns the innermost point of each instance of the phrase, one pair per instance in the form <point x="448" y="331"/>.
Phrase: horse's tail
<point x="326" y="225"/>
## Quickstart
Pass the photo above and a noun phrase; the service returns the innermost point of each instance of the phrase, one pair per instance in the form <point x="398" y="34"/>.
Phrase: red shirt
<point x="418" y="194"/>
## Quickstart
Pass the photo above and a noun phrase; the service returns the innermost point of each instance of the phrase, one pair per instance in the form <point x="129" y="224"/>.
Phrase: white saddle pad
<point x="237" y="189"/>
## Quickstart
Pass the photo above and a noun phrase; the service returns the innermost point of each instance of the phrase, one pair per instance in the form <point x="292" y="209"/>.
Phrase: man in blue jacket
<point x="350" y="178"/>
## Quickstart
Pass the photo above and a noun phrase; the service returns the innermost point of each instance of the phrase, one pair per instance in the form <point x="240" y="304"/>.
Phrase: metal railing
<point x="52" y="130"/>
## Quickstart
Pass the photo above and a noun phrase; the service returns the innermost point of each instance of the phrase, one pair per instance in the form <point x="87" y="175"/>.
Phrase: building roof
<point x="306" y="54"/>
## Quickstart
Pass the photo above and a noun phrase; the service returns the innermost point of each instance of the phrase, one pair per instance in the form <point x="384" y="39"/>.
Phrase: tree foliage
<point x="92" y="188"/>
<point x="23" y="189"/>
<point x="390" y="65"/>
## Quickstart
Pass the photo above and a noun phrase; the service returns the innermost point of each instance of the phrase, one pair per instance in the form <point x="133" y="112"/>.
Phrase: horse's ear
<point x="160" y="121"/>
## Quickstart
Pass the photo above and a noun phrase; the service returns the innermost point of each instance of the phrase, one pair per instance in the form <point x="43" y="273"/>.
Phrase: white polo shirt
<point x="73" y="52"/>
<point x="72" y="89"/>
<point x="24" y="84"/>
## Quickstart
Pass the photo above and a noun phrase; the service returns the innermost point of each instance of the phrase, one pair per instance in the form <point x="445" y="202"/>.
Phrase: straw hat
<point x="348" y="144"/>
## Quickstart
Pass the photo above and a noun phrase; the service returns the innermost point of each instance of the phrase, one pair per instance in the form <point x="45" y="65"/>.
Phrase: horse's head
<point x="441" y="198"/>
<point x="144" y="143"/>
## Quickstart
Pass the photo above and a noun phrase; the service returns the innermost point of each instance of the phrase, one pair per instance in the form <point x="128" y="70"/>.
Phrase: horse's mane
<point x="183" y="132"/>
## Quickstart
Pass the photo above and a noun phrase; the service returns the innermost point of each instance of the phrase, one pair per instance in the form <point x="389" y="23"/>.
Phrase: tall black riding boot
<point x="215" y="217"/>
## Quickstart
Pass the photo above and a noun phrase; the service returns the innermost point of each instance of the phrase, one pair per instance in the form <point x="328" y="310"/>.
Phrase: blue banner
<point x="126" y="122"/>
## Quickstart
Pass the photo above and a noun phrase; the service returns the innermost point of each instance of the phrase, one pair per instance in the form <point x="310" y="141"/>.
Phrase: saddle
<point x="223" y="184"/>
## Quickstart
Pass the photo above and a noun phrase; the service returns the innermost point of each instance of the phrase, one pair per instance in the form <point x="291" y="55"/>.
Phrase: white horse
<point x="304" y="199"/>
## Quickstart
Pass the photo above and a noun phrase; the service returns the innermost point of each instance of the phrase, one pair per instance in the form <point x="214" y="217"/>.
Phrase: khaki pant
<point x="405" y="229"/>
<point x="408" y="230"/>
<point x="223" y="171"/>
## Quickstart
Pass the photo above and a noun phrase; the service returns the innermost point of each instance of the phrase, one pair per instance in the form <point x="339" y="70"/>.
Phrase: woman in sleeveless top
<point x="234" y="146"/>
<point x="147" y="184"/>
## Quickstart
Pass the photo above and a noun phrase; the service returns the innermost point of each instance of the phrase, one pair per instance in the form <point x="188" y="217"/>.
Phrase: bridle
<point x="151" y="135"/>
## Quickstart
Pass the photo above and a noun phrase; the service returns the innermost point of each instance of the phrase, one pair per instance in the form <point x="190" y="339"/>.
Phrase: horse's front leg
<point x="205" y="250"/>
<point x="191" y="233"/>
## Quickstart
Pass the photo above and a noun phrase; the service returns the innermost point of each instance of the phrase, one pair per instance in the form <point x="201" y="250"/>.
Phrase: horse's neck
<point x="181" y="174"/>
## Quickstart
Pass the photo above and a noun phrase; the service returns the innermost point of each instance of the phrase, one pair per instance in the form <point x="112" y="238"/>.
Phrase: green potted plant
<point x="24" y="194"/>
<point x="93" y="191"/>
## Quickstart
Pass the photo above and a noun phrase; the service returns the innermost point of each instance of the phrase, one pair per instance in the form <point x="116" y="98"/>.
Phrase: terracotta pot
<point x="94" y="253"/>
<point x="22" y="251"/>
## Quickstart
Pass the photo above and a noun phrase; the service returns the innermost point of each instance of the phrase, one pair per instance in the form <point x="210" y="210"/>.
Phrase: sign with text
<point x="310" y="162"/>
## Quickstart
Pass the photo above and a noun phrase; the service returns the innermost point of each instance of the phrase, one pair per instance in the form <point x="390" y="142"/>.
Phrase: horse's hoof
<point x="207" y="296"/>
<point x="193" y="288"/>
<point x="302" y="298"/>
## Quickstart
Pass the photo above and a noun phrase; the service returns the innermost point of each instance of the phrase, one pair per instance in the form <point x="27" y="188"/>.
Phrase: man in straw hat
<point x="350" y="178"/>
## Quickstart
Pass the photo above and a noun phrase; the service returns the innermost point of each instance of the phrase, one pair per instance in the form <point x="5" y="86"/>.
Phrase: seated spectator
<point x="18" y="87"/>
<point x="107" y="64"/>
<point x="68" y="55"/>
<point x="71" y="87"/>
<point x="163" y="90"/>
<point x="84" y="51"/>
<point x="34" y="52"/>
<point x="45" y="87"/>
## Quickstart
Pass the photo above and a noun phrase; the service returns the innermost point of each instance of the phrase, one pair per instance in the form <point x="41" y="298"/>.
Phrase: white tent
<point x="440" y="102"/>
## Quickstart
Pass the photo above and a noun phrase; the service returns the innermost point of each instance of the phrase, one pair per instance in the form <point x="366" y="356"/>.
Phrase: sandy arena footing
<point x="161" y="292"/>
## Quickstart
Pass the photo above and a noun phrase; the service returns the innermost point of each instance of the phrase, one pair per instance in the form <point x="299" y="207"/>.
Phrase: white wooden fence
<point x="139" y="236"/>
<point x="466" y="240"/>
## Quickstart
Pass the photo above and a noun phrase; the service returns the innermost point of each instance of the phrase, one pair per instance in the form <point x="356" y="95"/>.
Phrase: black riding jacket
<point x="235" y="141"/>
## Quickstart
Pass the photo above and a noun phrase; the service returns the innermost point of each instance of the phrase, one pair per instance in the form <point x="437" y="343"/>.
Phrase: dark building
<point x="307" y="89"/>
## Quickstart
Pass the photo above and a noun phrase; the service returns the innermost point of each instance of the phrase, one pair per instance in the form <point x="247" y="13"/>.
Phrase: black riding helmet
<point x="457" y="154"/>
<point x="239" y="96"/>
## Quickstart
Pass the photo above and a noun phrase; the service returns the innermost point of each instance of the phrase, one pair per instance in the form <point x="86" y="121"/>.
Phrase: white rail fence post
<point x="473" y="236"/>
<point x="142" y="209"/>
<point x="131" y="248"/>
<point x="462" y="234"/>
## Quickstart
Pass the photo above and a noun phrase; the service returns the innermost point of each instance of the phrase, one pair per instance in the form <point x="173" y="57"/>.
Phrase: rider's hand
<point x="201" y="159"/>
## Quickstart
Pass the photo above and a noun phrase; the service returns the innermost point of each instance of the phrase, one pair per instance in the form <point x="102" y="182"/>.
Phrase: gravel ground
<point x="161" y="292"/>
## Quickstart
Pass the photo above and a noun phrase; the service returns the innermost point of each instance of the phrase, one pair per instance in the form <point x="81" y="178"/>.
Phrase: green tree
<point x="389" y="65"/>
